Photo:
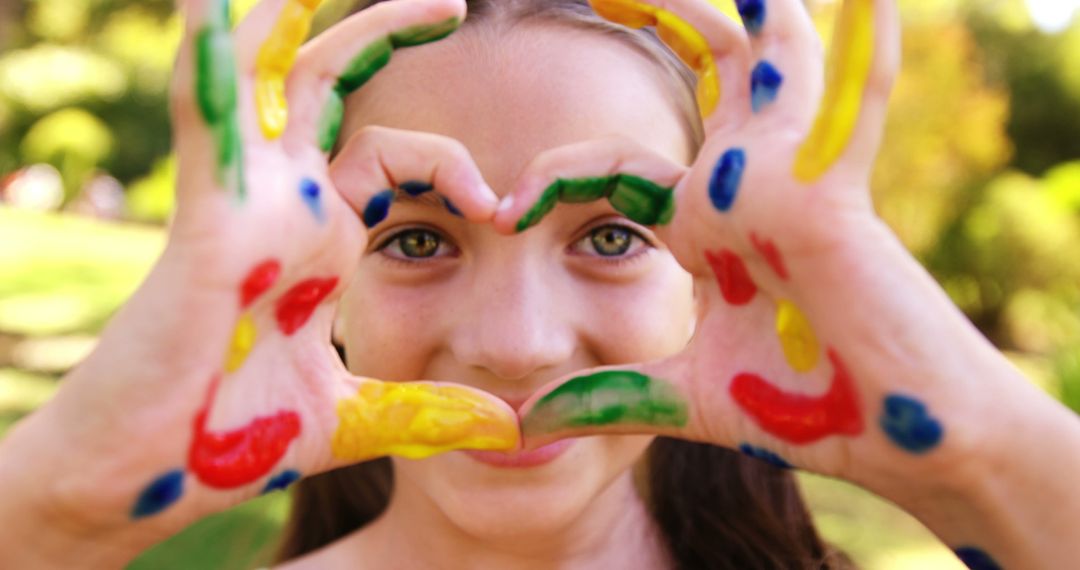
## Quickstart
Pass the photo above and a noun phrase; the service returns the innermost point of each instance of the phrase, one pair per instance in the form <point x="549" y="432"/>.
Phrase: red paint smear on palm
<point x="768" y="250"/>
<point x="294" y="308"/>
<point x="734" y="279"/>
<point x="797" y="418"/>
<point x="258" y="281"/>
<point x="224" y="460"/>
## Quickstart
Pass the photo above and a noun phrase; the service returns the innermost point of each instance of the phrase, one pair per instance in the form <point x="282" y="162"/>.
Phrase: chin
<point x="507" y="503"/>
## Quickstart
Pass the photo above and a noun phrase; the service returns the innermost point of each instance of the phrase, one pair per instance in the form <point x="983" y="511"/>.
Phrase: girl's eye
<point x="417" y="243"/>
<point x="611" y="240"/>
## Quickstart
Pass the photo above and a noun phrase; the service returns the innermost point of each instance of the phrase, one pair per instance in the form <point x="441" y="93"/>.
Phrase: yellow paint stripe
<point x="850" y="59"/>
<point x="276" y="58"/>
<point x="243" y="340"/>
<point x="419" y="419"/>
<point x="796" y="337"/>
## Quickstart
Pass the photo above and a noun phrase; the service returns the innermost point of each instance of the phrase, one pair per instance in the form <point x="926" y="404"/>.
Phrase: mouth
<point x="522" y="459"/>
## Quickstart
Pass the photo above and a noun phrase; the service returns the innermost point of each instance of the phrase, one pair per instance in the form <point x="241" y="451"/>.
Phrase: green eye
<point x="416" y="243"/>
<point x="611" y="241"/>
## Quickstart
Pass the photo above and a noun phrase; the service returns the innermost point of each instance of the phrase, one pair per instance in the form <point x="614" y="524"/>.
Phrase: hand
<point x="217" y="382"/>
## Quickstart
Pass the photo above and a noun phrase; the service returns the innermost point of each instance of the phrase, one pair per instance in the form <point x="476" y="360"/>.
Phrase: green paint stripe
<point x="216" y="96"/>
<point x="617" y="397"/>
<point x="330" y="121"/>
<point x="639" y="199"/>
<point x="424" y="33"/>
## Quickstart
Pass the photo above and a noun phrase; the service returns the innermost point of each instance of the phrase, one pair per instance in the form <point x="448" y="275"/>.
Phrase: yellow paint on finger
<point x="796" y="337"/>
<point x="243" y="340"/>
<point x="276" y="58"/>
<point x="678" y="34"/>
<point x="850" y="60"/>
<point x="419" y="419"/>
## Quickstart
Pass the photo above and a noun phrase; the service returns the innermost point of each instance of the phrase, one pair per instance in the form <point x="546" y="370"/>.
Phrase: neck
<point x="615" y="531"/>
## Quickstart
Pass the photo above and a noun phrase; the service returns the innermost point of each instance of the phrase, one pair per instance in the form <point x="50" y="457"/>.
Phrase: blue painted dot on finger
<point x="976" y="559"/>
<point x="310" y="192"/>
<point x="450" y="207"/>
<point x="378" y="208"/>
<point x="765" y="82"/>
<point x="281" y="481"/>
<point x="765" y="455"/>
<point x="415" y="187"/>
<point x="726" y="177"/>
<point x="753" y="14"/>
<point x="159" y="494"/>
<point x="908" y="424"/>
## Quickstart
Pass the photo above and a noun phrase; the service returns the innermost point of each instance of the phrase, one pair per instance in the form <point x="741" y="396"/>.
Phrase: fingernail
<point x="505" y="204"/>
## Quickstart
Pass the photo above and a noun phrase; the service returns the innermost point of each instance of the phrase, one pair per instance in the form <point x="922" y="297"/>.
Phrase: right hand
<point x="217" y="381"/>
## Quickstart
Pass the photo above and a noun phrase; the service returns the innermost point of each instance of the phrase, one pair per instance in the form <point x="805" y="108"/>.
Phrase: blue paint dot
<point x="765" y="82"/>
<point x="309" y="191"/>
<point x="378" y="208"/>
<point x="976" y="559"/>
<point x="726" y="177"/>
<point x="753" y="14"/>
<point x="415" y="188"/>
<point x="450" y="207"/>
<point x="765" y="455"/>
<point x="907" y="422"/>
<point x="281" y="481"/>
<point x="159" y="494"/>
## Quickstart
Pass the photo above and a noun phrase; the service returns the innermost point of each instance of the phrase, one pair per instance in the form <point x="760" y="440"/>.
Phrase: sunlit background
<point x="980" y="177"/>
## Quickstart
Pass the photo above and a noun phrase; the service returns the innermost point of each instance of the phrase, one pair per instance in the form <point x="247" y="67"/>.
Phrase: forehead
<point x="510" y="94"/>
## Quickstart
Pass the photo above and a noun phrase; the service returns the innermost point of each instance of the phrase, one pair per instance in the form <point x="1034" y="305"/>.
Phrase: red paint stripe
<point x="225" y="460"/>
<point x="258" y="281"/>
<point x="797" y="418"/>
<point x="734" y="279"/>
<point x="294" y="308"/>
<point x="768" y="250"/>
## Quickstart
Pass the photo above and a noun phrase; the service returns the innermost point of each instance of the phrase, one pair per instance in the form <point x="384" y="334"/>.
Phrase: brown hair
<point x="714" y="507"/>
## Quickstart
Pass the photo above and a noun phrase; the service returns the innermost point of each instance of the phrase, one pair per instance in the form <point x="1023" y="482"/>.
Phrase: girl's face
<point x="439" y="298"/>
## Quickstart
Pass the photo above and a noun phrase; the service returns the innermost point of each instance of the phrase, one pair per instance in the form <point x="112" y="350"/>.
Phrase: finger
<point x="851" y="61"/>
<point x="714" y="47"/>
<point x="204" y="92"/>
<point x="788" y="58"/>
<point x="378" y="165"/>
<point x="352" y="52"/>
<point x="636" y="180"/>
<point x="419" y="419"/>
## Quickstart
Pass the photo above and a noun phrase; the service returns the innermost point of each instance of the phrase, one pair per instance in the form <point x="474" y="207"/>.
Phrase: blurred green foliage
<point x="979" y="175"/>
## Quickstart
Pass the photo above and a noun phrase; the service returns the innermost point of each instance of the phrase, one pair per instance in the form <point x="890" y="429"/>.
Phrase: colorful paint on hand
<point x="229" y="459"/>
<point x="216" y="94"/>
<point x="909" y="424"/>
<point x="378" y="208"/>
<point x="419" y="419"/>
<point x="260" y="279"/>
<point x="753" y="14"/>
<point x="726" y="179"/>
<point x="366" y="64"/>
<point x="243" y="340"/>
<point x="415" y="188"/>
<point x="850" y="61"/>
<point x="613" y="397"/>
<point x="797" y="418"/>
<point x="281" y="481"/>
<point x="680" y="36"/>
<point x="295" y="307"/>
<point x="735" y="283"/>
<point x="641" y="200"/>
<point x="765" y="82"/>
<point x="771" y="253"/>
<point x="274" y="61"/>
<point x="159" y="494"/>
<point x="797" y="338"/>
<point x="310" y="193"/>
<point x="764" y="455"/>
<point x="976" y="559"/>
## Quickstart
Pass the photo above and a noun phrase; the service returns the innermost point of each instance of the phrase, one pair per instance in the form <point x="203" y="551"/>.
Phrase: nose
<point x="513" y="325"/>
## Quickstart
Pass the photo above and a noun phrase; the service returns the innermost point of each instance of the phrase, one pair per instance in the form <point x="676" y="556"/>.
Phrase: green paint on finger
<point x="641" y="200"/>
<point x="216" y="95"/>
<point x="615" y="397"/>
<point x="424" y="33"/>
<point x="330" y="121"/>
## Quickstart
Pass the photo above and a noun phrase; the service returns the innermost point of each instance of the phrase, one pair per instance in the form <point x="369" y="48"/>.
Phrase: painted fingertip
<point x="159" y="494"/>
<point x="753" y="15"/>
<point x="614" y="397"/>
<point x="415" y="187"/>
<point x="765" y="455"/>
<point x="976" y="559"/>
<point x="378" y="208"/>
<point x="726" y="178"/>
<point x="312" y="197"/>
<point x="281" y="481"/>
<point x="765" y="82"/>
<point x="908" y="424"/>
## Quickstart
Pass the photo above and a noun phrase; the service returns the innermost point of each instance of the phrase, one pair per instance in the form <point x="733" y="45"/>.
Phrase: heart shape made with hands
<point x="773" y="219"/>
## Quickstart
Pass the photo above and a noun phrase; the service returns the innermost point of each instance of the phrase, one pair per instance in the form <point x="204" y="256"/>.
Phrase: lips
<point x="522" y="459"/>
